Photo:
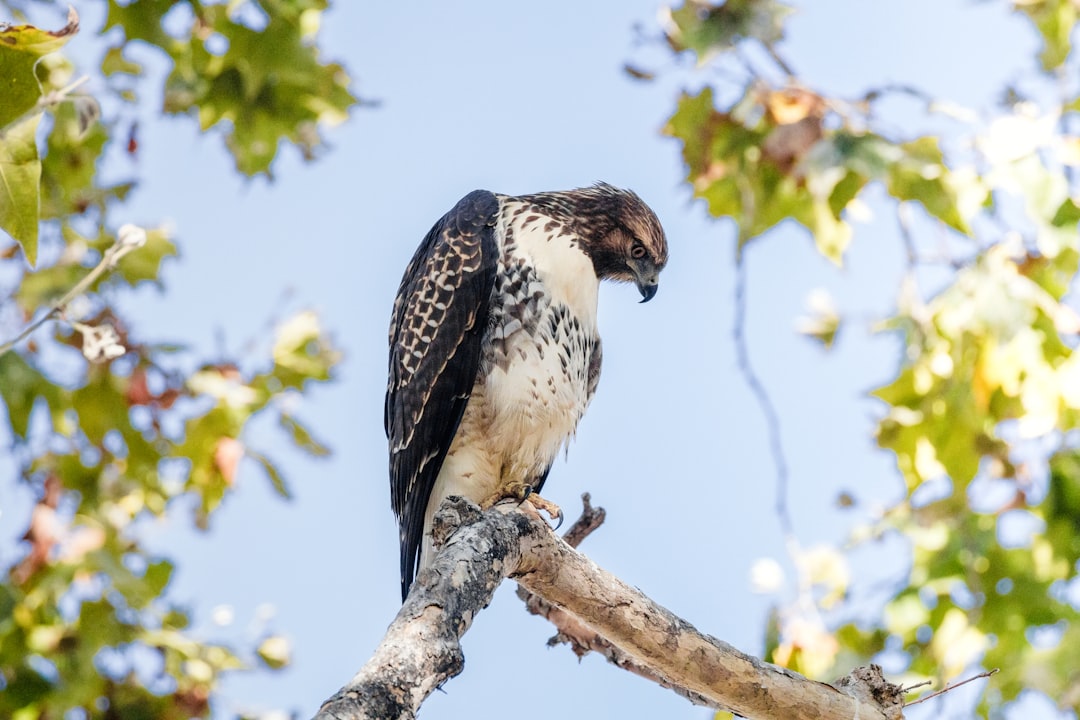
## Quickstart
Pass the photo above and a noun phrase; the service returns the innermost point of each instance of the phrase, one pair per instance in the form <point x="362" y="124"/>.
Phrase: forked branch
<point x="421" y="649"/>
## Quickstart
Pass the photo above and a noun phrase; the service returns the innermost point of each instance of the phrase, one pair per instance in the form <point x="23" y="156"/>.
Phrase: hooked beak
<point x="646" y="277"/>
<point x="647" y="290"/>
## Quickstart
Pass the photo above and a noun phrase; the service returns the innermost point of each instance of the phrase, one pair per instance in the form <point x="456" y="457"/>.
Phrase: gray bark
<point x="591" y="608"/>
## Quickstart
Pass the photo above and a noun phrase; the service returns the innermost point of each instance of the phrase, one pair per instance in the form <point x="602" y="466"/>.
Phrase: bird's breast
<point x="535" y="373"/>
<point x="540" y="352"/>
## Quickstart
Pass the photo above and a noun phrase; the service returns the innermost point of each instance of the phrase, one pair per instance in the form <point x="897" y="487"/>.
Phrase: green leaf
<point x="268" y="85"/>
<point x="114" y="63"/>
<point x="69" y="180"/>
<point x="708" y="28"/>
<point x="202" y="437"/>
<point x="21" y="46"/>
<point x="727" y="167"/>
<point x="921" y="175"/>
<point x="277" y="480"/>
<point x="25" y="687"/>
<point x="48" y="285"/>
<point x="157" y="576"/>
<point x="691" y="123"/>
<point x="144" y="264"/>
<point x="865" y="154"/>
<point x="301" y="352"/>
<point x="22" y="385"/>
<point x="301" y="436"/>
<point x="141" y="20"/>
<point x="18" y="390"/>
<point x="20" y="177"/>
<point x="101" y="404"/>
<point x="1055" y="21"/>
<point x="1067" y="215"/>
<point x="1061" y="509"/>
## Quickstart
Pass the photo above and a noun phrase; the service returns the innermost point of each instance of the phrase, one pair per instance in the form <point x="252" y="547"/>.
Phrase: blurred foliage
<point x="110" y="430"/>
<point x="252" y="66"/>
<point x="983" y="415"/>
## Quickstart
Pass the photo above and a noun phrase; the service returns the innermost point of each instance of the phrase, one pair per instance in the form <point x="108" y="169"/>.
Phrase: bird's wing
<point x="438" y="322"/>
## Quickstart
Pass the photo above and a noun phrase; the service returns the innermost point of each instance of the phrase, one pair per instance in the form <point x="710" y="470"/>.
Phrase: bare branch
<point x="761" y="395"/>
<point x="129" y="238"/>
<point x="591" y="518"/>
<point x="421" y="649"/>
<point x="953" y="686"/>
<point x="780" y="61"/>
<point x="580" y="637"/>
<point x="46" y="101"/>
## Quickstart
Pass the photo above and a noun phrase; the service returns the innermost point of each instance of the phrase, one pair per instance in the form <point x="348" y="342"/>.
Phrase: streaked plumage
<point x="494" y="349"/>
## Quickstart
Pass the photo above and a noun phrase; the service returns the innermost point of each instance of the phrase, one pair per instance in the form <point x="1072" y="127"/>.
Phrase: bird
<point x="494" y="348"/>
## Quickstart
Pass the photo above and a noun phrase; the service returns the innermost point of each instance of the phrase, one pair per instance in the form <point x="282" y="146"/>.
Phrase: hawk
<point x="494" y="349"/>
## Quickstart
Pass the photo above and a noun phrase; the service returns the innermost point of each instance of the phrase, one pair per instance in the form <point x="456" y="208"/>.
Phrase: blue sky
<point x="516" y="98"/>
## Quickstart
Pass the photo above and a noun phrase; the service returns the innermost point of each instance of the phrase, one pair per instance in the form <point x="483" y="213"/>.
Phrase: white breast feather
<point x="566" y="271"/>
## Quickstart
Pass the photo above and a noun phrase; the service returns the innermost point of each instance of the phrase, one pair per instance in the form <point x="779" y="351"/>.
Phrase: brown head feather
<point x="617" y="230"/>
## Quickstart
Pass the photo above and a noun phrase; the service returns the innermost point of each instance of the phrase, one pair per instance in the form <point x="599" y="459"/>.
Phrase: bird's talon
<point x="540" y="503"/>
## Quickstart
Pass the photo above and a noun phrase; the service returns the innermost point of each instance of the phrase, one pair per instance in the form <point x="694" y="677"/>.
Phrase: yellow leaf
<point x="956" y="644"/>
<point x="926" y="463"/>
<point x="275" y="651"/>
<point x="1069" y="380"/>
<point x="294" y="333"/>
<point x="825" y="567"/>
<point x="198" y="671"/>
<point x="904" y="615"/>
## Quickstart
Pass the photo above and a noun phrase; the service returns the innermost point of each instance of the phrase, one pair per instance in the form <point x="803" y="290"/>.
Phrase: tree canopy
<point x="982" y="413"/>
<point x="108" y="427"/>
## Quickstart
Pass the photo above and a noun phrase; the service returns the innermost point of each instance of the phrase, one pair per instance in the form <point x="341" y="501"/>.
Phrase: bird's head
<point x="621" y="234"/>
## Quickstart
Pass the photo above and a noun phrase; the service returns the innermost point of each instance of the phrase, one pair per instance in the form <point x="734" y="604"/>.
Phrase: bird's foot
<point x="540" y="503"/>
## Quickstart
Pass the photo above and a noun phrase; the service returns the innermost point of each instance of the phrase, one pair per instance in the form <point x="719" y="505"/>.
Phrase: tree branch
<point x="46" y="101"/>
<point x="580" y="637"/>
<point x="129" y="237"/>
<point x="421" y="649"/>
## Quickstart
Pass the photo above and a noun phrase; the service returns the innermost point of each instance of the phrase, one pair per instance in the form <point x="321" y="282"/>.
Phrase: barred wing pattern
<point x="439" y="319"/>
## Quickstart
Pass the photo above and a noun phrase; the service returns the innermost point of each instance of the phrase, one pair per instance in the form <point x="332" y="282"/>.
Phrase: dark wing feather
<point x="438" y="322"/>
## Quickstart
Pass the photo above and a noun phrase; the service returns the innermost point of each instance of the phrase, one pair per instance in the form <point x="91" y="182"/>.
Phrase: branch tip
<point x="953" y="686"/>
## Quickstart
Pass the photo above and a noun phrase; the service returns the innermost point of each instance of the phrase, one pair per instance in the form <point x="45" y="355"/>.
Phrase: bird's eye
<point x="637" y="250"/>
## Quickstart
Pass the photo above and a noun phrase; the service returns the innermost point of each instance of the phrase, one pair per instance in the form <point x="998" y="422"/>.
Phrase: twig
<point x="898" y="88"/>
<point x="1062" y="77"/>
<point x="780" y="62"/>
<point x="772" y="419"/>
<point x="117" y="250"/>
<point x="916" y="686"/>
<point x="804" y="597"/>
<point x="591" y="518"/>
<point x="914" y="260"/>
<point x="903" y="221"/>
<point x="947" y="688"/>
<point x="47" y="100"/>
